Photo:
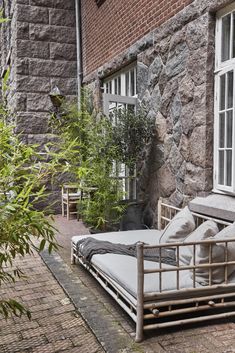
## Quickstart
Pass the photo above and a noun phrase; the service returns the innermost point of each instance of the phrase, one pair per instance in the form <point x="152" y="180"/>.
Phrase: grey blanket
<point x="87" y="247"/>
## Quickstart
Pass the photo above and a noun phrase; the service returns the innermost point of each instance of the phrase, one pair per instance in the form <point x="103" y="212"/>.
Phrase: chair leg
<point x="68" y="211"/>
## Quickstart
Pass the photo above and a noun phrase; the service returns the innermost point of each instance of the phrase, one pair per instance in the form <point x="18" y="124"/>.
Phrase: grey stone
<point x="176" y="109"/>
<point x="25" y="2"/>
<point x="177" y="60"/>
<point x="31" y="123"/>
<point x="18" y="102"/>
<point x="142" y="79"/>
<point x="186" y="89"/>
<point x="63" y="52"/>
<point x="59" y="4"/>
<point x="62" y="18"/>
<point x="166" y="181"/>
<point x="177" y="133"/>
<point x="194" y="179"/>
<point x="22" y="66"/>
<point x="54" y="68"/>
<point x="67" y="86"/>
<point x="168" y="143"/>
<point x="30" y="49"/>
<point x="52" y="33"/>
<point x="197" y="66"/>
<point x="175" y="159"/>
<point x="33" y="84"/>
<point x="161" y="128"/>
<point x="197" y="146"/>
<point x="184" y="146"/>
<point x="177" y="199"/>
<point x="154" y="71"/>
<point x="170" y="90"/>
<point x="197" y="30"/>
<point x="38" y="102"/>
<point x="156" y="99"/>
<point x="187" y="118"/>
<point x="32" y="13"/>
<point x="22" y="30"/>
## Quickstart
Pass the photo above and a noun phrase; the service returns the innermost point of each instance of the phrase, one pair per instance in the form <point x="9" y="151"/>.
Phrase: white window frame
<point x="126" y="97"/>
<point x="221" y="68"/>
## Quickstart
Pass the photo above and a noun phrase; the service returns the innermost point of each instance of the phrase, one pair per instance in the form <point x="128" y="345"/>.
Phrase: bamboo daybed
<point x="157" y="295"/>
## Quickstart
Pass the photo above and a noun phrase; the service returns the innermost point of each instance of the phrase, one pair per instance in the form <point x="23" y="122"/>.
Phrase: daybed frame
<point x="156" y="310"/>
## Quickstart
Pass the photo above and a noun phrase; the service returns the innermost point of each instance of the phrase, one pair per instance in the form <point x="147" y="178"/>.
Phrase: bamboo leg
<point x="140" y="294"/>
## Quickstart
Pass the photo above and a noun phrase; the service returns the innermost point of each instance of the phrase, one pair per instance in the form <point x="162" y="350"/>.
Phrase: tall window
<point x="224" y="173"/>
<point x="119" y="94"/>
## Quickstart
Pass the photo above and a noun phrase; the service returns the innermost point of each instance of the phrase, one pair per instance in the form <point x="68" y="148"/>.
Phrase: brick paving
<point x="72" y="313"/>
<point x="55" y="326"/>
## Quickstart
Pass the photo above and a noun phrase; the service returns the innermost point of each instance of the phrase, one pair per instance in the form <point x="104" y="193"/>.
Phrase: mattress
<point x="122" y="269"/>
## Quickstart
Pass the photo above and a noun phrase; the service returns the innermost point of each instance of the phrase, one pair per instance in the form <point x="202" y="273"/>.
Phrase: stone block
<point x="22" y="30"/>
<point x="177" y="60"/>
<point x="30" y="49"/>
<point x="32" y="14"/>
<point x="63" y="52"/>
<point x="24" y="2"/>
<point x="51" y="68"/>
<point x="59" y="17"/>
<point x="58" y="4"/>
<point x="197" y="146"/>
<point x="22" y="66"/>
<point x="18" y="102"/>
<point x="67" y="86"/>
<point x="31" y="123"/>
<point x="166" y="181"/>
<point x="38" y="102"/>
<point x="52" y="33"/>
<point x="33" y="84"/>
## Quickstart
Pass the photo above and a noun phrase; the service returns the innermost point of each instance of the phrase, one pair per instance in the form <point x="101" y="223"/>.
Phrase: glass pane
<point x="119" y="85"/>
<point x="110" y="86"/>
<point x="225" y="40"/>
<point x="115" y="86"/>
<point x="221" y="167"/>
<point x="233" y="34"/>
<point x="132" y="92"/>
<point x="222" y="92"/>
<point x="229" y="128"/>
<point x="127" y="83"/>
<point x="230" y="89"/>
<point x="221" y="129"/>
<point x="229" y="168"/>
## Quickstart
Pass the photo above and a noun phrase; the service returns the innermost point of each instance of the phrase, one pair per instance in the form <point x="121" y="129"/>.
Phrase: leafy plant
<point x="23" y="228"/>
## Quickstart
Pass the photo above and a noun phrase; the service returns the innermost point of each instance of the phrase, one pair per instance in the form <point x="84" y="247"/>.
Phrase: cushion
<point x="202" y="257"/>
<point x="228" y="232"/>
<point x="205" y="230"/>
<point x="179" y="227"/>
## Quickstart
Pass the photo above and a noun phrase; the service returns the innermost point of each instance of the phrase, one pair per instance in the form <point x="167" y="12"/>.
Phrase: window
<point x="224" y="160"/>
<point x="120" y="93"/>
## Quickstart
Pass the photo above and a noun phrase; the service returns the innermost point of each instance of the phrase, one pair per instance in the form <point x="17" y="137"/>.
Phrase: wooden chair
<point x="70" y="195"/>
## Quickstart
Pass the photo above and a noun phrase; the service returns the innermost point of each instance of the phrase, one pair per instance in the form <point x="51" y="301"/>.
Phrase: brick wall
<point x="115" y="25"/>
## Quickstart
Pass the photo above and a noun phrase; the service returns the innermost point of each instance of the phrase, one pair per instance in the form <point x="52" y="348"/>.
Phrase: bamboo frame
<point x="148" y="309"/>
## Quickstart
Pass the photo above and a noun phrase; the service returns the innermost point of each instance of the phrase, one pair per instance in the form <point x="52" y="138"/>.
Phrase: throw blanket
<point x="88" y="247"/>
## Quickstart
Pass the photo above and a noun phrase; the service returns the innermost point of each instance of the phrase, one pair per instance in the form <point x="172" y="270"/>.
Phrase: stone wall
<point x="175" y="79"/>
<point x="42" y="38"/>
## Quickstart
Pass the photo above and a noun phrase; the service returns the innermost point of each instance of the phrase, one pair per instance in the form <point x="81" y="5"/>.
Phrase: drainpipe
<point x="79" y="49"/>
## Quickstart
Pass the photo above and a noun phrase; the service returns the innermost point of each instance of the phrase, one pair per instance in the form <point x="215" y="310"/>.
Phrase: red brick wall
<point x="116" y="24"/>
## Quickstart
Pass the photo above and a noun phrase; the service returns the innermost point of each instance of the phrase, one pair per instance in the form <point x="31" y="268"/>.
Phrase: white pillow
<point x="202" y="257"/>
<point x="205" y="230"/>
<point x="179" y="227"/>
<point x="228" y="232"/>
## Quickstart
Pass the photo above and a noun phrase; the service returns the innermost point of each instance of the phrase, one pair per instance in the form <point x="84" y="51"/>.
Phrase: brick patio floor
<point x="55" y="325"/>
<point x="72" y="313"/>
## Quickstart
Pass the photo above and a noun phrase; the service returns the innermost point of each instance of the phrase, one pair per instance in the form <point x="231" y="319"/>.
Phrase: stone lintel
<point x="215" y="205"/>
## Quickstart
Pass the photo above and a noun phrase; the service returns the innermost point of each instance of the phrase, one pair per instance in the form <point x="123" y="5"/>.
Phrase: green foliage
<point x="2" y="19"/>
<point x="23" y="228"/>
<point x="131" y="133"/>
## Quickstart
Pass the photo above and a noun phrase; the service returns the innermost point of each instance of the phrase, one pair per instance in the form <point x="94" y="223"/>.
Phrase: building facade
<point x="175" y="58"/>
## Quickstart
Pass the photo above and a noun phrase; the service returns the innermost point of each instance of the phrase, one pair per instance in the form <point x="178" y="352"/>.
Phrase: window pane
<point x="115" y="86"/>
<point x="127" y="83"/>
<point x="221" y="167"/>
<point x="119" y="85"/>
<point x="229" y="128"/>
<point x="230" y="89"/>
<point x="132" y="93"/>
<point x="229" y="168"/>
<point x="222" y="92"/>
<point x="233" y="34"/>
<point x="221" y="129"/>
<point x="225" y="40"/>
